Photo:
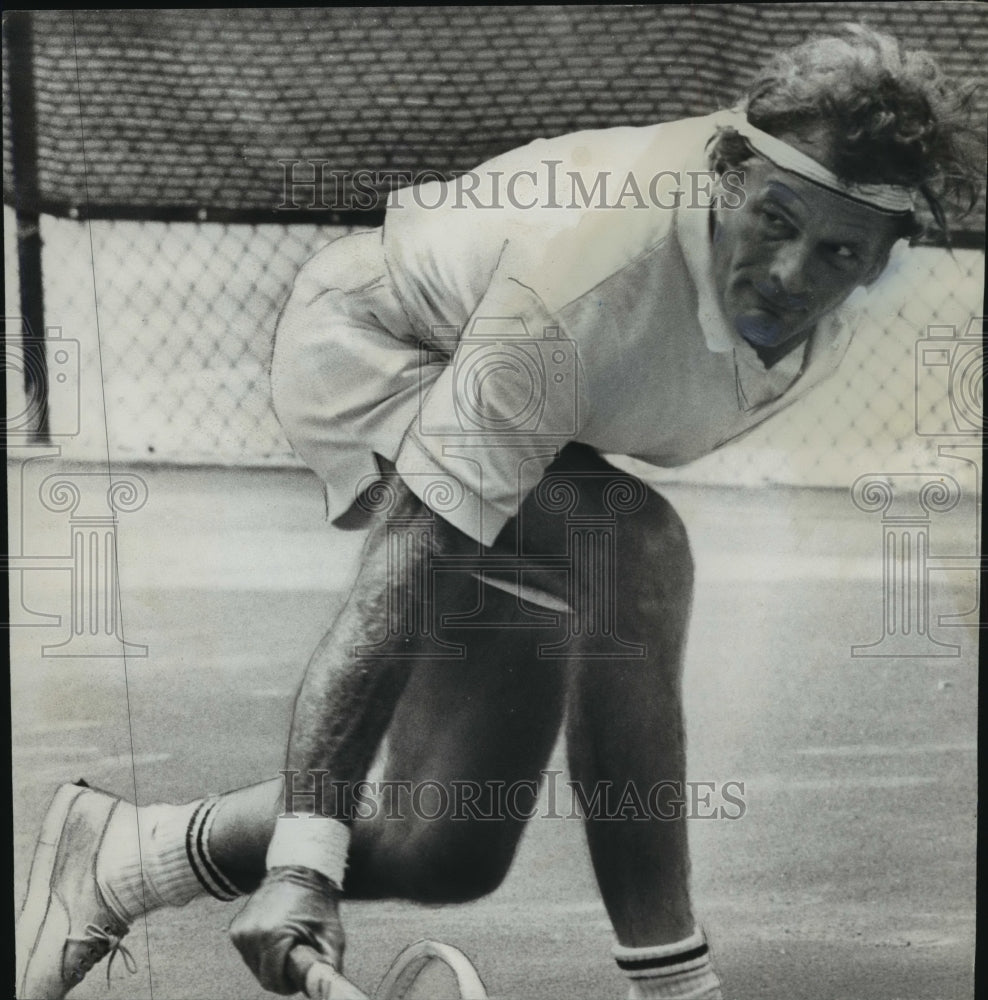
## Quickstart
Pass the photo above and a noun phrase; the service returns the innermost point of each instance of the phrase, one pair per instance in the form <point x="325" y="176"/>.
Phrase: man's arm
<point x="343" y="709"/>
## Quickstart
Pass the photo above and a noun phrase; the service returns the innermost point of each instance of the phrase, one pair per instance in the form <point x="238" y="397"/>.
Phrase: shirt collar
<point x="692" y="230"/>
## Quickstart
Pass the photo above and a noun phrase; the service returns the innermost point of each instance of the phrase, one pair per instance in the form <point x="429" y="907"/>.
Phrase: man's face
<point x="793" y="252"/>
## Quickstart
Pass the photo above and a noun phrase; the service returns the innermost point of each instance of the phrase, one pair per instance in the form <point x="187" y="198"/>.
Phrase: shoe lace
<point x="106" y="942"/>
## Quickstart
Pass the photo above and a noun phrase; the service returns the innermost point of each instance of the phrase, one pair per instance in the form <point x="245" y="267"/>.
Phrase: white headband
<point x="885" y="197"/>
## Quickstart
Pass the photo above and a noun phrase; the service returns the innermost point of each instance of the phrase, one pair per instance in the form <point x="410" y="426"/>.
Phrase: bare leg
<point x="242" y="831"/>
<point x="476" y="729"/>
<point x="492" y="716"/>
<point x="625" y="725"/>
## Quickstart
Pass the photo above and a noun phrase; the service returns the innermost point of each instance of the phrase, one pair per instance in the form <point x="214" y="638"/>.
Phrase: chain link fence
<point x="174" y="320"/>
<point x="175" y="326"/>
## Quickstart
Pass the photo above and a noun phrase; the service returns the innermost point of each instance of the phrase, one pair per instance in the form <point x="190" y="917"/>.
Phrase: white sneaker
<point x="66" y="926"/>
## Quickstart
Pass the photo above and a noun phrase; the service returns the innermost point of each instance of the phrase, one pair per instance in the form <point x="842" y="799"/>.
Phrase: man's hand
<point x="291" y="906"/>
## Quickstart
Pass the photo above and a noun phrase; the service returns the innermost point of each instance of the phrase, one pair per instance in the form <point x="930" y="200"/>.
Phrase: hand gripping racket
<point x="425" y="970"/>
<point x="312" y="975"/>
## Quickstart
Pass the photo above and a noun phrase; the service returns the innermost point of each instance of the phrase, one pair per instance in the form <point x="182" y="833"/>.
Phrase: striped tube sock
<point x="677" y="971"/>
<point x="158" y="855"/>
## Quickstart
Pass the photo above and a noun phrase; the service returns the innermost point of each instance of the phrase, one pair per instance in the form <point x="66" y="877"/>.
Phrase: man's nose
<point x="789" y="274"/>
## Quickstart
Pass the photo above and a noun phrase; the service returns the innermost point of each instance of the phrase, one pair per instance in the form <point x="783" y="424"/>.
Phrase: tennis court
<point x="850" y="874"/>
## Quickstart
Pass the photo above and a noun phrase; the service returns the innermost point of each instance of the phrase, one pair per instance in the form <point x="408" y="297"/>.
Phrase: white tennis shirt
<point x="577" y="305"/>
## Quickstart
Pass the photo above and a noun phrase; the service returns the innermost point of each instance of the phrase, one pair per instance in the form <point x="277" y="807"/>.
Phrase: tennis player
<point x="457" y="379"/>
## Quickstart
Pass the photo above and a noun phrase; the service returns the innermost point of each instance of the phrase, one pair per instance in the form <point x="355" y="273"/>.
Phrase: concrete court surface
<point x="850" y="875"/>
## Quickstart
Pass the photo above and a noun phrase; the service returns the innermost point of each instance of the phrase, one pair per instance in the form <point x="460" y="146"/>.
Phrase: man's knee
<point x="653" y="550"/>
<point x="463" y="866"/>
<point x="454" y="861"/>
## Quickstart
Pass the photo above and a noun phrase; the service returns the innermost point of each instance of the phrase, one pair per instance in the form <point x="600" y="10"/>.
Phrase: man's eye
<point x="775" y="223"/>
<point x="844" y="253"/>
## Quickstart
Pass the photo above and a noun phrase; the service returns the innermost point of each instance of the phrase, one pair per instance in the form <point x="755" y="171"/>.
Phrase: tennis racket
<point x="425" y="970"/>
<point x="430" y="970"/>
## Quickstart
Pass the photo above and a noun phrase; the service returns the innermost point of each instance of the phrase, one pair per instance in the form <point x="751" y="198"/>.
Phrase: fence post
<point x="24" y="159"/>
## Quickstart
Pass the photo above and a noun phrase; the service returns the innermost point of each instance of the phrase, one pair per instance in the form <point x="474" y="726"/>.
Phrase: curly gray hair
<point x="892" y="115"/>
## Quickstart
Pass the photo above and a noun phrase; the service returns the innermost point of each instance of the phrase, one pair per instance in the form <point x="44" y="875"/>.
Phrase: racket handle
<point x="316" y="978"/>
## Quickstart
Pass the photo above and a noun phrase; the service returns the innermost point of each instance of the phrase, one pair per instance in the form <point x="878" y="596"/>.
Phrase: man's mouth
<point x="761" y="331"/>
<point x="765" y="320"/>
<point x="776" y="301"/>
<point x="767" y="304"/>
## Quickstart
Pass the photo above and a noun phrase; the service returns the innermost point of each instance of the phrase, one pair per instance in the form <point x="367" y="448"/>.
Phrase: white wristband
<point x="315" y="842"/>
